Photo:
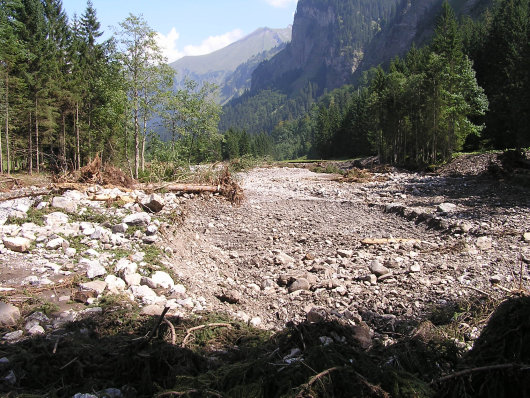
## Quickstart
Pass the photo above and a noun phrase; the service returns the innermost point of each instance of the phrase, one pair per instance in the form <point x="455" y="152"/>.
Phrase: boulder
<point x="163" y="279"/>
<point x="93" y="268"/>
<point x="125" y="267"/>
<point x="114" y="284"/>
<point x="67" y="204"/>
<point x="56" y="243"/>
<point x="154" y="202"/>
<point x="299" y="284"/>
<point x="17" y="244"/>
<point x="95" y="286"/>
<point x="9" y="314"/>
<point x="56" y="218"/>
<point x="378" y="269"/>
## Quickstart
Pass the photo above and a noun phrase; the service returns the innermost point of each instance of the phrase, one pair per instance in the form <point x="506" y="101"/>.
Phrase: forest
<point x="66" y="95"/>
<point x="467" y="90"/>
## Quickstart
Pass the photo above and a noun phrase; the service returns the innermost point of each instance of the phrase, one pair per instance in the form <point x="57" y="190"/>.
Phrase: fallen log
<point x="192" y="188"/>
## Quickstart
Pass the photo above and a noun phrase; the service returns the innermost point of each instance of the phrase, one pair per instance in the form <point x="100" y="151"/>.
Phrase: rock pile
<point x="104" y="235"/>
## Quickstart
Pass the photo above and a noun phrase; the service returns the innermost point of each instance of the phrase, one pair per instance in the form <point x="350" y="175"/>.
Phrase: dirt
<point x="476" y="249"/>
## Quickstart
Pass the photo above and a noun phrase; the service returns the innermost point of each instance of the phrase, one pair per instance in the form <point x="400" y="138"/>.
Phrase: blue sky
<point x="192" y="27"/>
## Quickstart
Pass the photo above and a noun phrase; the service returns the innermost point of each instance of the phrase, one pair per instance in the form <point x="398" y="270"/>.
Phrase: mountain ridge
<point x="218" y="66"/>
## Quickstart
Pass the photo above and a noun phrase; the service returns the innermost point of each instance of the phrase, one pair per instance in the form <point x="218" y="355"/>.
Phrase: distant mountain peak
<point x="218" y="66"/>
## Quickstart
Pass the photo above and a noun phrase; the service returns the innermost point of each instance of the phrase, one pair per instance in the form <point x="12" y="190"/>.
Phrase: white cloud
<point x="214" y="43"/>
<point x="280" y="3"/>
<point x="169" y="47"/>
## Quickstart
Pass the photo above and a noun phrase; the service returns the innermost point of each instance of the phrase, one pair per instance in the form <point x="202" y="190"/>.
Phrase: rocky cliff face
<point x="331" y="48"/>
<point x="311" y="55"/>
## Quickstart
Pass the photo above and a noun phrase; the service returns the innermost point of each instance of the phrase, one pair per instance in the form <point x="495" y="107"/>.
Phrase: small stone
<point x="56" y="218"/>
<point x="145" y="293"/>
<point x="124" y="266"/>
<point x="316" y="314"/>
<point x="17" y="334"/>
<point x="309" y="256"/>
<point x="70" y="252"/>
<point x="255" y="322"/>
<point x="526" y="236"/>
<point x="415" y="268"/>
<point x="484" y="243"/>
<point x="17" y="244"/>
<point x="345" y="253"/>
<point x="114" y="284"/>
<point x="150" y="239"/>
<point x="299" y="284"/>
<point x="230" y="296"/>
<point x="178" y="289"/>
<point x="496" y="279"/>
<point x="95" y="286"/>
<point x="151" y="230"/>
<point x="153" y="309"/>
<point x="446" y="207"/>
<point x="138" y="219"/>
<point x="119" y="228"/>
<point x="54" y="244"/>
<point x="378" y="269"/>
<point x="9" y="314"/>
<point x="133" y="279"/>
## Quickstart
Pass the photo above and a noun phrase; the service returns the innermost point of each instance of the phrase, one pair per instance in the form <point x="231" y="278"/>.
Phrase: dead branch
<point x="183" y="393"/>
<point x="477" y="290"/>
<point x="190" y="331"/>
<point x="172" y="329"/>
<point x="322" y="374"/>
<point x="151" y="334"/>
<point x="482" y="369"/>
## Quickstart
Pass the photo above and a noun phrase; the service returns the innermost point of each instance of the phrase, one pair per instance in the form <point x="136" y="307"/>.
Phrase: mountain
<point x="333" y="43"/>
<point x="231" y="67"/>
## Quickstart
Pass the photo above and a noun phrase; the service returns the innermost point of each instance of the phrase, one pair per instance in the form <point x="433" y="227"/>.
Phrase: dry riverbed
<point x="381" y="255"/>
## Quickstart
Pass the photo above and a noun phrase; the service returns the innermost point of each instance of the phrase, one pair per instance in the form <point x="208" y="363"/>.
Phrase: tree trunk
<point x="63" y="143"/>
<point x="30" y="154"/>
<point x="8" y="155"/>
<point x="78" y="140"/>
<point x="1" y="154"/>
<point x="142" y="153"/>
<point x="136" y="136"/>
<point x="37" y="133"/>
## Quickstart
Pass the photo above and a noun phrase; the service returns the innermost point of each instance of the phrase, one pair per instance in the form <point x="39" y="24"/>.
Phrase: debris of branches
<point x="96" y="172"/>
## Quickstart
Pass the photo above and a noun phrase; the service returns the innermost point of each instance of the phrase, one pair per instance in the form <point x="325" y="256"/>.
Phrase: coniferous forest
<point x="66" y="95"/>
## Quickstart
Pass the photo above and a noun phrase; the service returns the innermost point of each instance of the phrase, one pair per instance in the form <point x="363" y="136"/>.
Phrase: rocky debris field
<point x="301" y="247"/>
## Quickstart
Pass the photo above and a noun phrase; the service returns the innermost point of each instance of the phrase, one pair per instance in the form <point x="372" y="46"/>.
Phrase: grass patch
<point x="235" y="360"/>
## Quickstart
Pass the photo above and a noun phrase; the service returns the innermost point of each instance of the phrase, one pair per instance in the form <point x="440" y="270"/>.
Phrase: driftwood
<point x="384" y="241"/>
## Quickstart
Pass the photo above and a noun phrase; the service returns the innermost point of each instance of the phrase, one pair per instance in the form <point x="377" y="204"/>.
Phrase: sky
<point x="191" y="27"/>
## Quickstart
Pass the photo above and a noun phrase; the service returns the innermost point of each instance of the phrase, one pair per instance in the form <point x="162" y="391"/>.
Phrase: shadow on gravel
<point x="214" y="357"/>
